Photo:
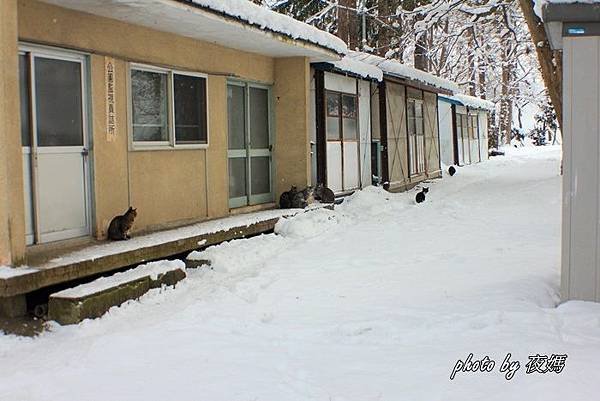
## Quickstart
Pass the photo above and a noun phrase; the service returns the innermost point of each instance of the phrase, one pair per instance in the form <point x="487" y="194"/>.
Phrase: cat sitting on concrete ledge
<point x="119" y="226"/>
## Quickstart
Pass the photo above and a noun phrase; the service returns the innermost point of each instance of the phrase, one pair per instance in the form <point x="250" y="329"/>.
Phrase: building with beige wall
<point x="183" y="111"/>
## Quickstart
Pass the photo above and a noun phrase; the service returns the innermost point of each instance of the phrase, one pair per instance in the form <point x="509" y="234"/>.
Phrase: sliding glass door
<point x="250" y="144"/>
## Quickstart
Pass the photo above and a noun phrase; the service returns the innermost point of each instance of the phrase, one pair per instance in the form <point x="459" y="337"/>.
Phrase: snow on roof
<point x="234" y="24"/>
<point x="472" y="101"/>
<point x="358" y="68"/>
<point x="264" y="18"/>
<point x="397" y="69"/>
<point x="539" y="5"/>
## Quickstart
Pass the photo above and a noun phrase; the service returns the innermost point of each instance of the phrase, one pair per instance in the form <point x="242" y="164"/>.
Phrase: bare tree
<point x="550" y="61"/>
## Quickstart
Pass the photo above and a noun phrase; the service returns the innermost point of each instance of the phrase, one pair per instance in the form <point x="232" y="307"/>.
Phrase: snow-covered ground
<point x="376" y="300"/>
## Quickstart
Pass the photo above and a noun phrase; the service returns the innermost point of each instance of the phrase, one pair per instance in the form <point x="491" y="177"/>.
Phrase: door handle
<point x="85" y="152"/>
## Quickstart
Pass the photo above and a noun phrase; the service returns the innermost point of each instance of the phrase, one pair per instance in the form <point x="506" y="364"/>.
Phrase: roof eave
<point x="571" y="12"/>
<point x="332" y="53"/>
<point x="560" y="16"/>
<point x="148" y="13"/>
<point x="328" y="67"/>
<point x="416" y="84"/>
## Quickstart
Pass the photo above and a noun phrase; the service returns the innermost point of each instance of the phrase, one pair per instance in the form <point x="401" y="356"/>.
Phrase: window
<point x="190" y="109"/>
<point x="168" y="108"/>
<point x="349" y="117"/>
<point x="473" y="126"/>
<point x="149" y="97"/>
<point x="341" y="112"/>
<point x="333" y="117"/>
<point x="416" y="136"/>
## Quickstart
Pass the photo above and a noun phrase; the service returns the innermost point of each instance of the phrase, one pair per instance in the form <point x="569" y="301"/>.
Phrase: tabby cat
<point x="119" y="226"/>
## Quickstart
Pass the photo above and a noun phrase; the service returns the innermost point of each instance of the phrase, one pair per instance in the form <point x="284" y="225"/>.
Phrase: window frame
<point x="416" y="135"/>
<point x="171" y="143"/>
<point x="474" y="126"/>
<point x="340" y="117"/>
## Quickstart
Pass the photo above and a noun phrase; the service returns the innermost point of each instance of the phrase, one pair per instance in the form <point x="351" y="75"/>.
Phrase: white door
<point x="465" y="140"/>
<point x="343" y="165"/>
<point x="54" y="145"/>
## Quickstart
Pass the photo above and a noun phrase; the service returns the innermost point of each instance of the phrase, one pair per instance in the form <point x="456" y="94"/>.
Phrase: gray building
<point x="575" y="28"/>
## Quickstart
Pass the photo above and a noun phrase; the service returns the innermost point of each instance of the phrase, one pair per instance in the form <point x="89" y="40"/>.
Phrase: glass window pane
<point x="375" y="160"/>
<point x="333" y="104"/>
<point x="58" y="102"/>
<point x="237" y="177"/>
<point x="236" y="117"/>
<point x="419" y="126"/>
<point x="411" y="109"/>
<point x="149" y="97"/>
<point x="259" y="118"/>
<point x="190" y="109"/>
<point x="260" y="182"/>
<point x="333" y="128"/>
<point x="411" y="126"/>
<point x="25" y="100"/>
<point x="350" y="129"/>
<point x="348" y="106"/>
<point x="418" y="109"/>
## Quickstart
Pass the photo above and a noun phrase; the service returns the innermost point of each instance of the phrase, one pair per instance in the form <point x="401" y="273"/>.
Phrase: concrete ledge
<point x="93" y="299"/>
<point x="40" y="277"/>
<point x="14" y="306"/>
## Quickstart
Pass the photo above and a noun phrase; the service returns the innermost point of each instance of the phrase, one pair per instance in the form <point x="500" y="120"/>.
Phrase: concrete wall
<point x="171" y="186"/>
<point x="12" y="216"/>
<point x="292" y="132"/>
<point x="581" y="169"/>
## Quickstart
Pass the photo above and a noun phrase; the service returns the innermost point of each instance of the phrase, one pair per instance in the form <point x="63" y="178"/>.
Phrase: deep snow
<point x="373" y="301"/>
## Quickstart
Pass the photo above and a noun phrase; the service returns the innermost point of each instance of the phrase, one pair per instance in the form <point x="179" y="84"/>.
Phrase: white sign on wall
<point x="111" y="112"/>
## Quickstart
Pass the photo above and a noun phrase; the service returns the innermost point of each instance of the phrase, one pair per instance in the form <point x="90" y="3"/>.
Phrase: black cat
<point x="285" y="200"/>
<point x="451" y="171"/>
<point x="420" y="197"/>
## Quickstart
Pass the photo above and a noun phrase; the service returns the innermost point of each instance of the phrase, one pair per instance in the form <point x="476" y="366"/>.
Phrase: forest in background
<point x="489" y="47"/>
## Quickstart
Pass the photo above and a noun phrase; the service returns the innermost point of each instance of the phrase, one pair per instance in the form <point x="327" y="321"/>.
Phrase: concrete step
<point x="93" y="299"/>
